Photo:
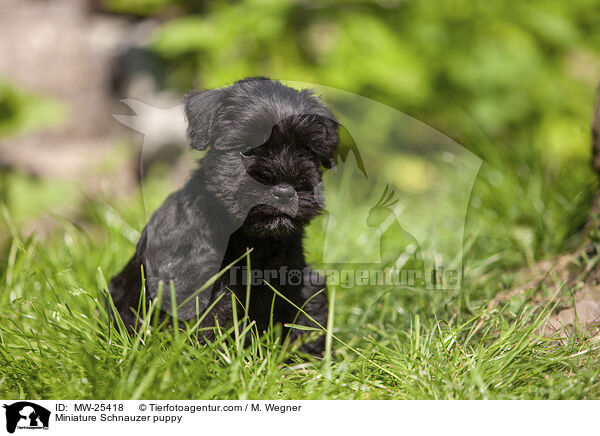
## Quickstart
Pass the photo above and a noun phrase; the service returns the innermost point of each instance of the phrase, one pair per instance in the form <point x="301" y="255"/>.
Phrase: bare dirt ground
<point x="571" y="280"/>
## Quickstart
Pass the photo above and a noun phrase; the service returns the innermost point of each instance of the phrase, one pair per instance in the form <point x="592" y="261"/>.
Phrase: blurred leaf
<point x="22" y="112"/>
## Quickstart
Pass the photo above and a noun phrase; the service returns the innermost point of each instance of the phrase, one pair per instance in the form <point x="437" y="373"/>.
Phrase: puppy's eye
<point x="247" y="153"/>
<point x="326" y="163"/>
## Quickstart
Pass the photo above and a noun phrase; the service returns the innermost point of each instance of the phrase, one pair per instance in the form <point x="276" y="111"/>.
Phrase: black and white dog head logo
<point x="26" y="415"/>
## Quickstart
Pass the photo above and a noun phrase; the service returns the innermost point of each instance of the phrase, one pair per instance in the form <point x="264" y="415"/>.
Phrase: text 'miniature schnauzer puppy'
<point x="257" y="187"/>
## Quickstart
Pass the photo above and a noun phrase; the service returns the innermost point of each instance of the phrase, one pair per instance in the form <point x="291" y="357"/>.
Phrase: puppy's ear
<point x="332" y="142"/>
<point x="201" y="111"/>
<point x="327" y="141"/>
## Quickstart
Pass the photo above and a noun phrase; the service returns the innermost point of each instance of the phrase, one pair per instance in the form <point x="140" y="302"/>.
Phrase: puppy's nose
<point x="283" y="193"/>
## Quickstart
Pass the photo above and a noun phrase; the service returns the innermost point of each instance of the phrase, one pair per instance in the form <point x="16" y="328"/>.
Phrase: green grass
<point x="57" y="340"/>
<point x="513" y="83"/>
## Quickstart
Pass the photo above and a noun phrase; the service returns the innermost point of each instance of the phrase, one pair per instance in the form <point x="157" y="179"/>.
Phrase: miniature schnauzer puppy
<point x="257" y="187"/>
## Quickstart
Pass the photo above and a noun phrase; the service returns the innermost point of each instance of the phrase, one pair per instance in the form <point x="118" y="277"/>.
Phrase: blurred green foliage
<point x="41" y="197"/>
<point x="511" y="81"/>
<point x="21" y="111"/>
<point x="521" y="72"/>
<point x="27" y="198"/>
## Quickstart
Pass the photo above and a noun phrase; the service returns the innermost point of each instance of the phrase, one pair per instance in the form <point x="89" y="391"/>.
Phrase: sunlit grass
<point x="58" y="338"/>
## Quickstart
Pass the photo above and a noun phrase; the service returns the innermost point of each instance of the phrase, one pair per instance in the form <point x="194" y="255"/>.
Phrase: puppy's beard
<point x="273" y="220"/>
<point x="278" y="225"/>
<point x="254" y="207"/>
<point x="268" y="217"/>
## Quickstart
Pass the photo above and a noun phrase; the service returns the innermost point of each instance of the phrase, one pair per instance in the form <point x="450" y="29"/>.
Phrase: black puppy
<point x="257" y="187"/>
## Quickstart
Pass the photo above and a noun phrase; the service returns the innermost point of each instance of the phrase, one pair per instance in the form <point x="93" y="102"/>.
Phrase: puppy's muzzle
<point x="283" y="193"/>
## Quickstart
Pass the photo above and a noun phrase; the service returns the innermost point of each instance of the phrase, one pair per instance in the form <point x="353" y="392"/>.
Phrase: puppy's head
<point x="268" y="145"/>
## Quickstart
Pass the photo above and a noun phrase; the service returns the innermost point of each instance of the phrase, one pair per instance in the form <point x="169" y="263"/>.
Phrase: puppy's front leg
<point x="315" y="307"/>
